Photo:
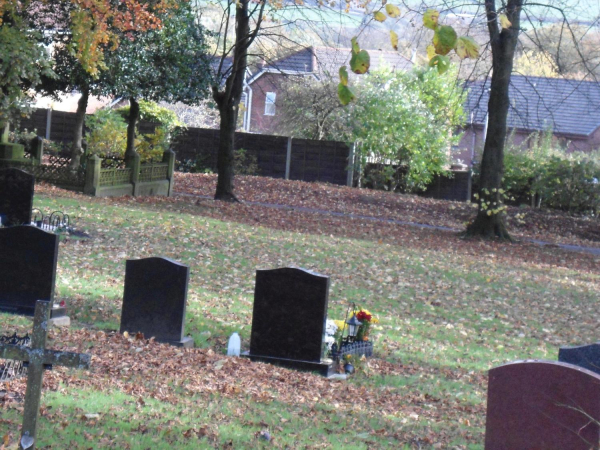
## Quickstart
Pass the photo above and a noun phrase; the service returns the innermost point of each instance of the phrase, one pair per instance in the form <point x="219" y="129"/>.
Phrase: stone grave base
<point x="186" y="342"/>
<point x="62" y="321"/>
<point x="323" y="368"/>
<point x="55" y="312"/>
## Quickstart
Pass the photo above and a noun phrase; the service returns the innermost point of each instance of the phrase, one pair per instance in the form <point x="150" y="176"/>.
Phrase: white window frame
<point x="270" y="99"/>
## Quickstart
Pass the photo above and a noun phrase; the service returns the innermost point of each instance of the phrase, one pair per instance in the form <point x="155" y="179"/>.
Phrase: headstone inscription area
<point x="16" y="197"/>
<point x="39" y="359"/>
<point x="288" y="319"/>
<point x="154" y="300"/>
<point x="28" y="258"/>
<point x="586" y="356"/>
<point x="542" y="405"/>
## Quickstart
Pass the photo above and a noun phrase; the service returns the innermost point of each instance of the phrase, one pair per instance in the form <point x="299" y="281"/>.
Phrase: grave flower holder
<point x="356" y="343"/>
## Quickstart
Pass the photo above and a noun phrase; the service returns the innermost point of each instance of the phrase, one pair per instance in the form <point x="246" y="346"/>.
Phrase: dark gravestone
<point x="28" y="259"/>
<point x="288" y="320"/>
<point x="586" y="356"/>
<point x="542" y="405"/>
<point x="154" y="300"/>
<point x="16" y="197"/>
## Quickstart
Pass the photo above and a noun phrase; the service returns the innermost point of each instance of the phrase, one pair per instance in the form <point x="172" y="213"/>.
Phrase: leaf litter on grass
<point x="450" y="309"/>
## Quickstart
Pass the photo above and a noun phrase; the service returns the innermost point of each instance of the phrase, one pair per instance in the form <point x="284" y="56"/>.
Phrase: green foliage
<point x="407" y="119"/>
<point x="167" y="64"/>
<point x="541" y="173"/>
<point x="152" y="145"/>
<point x="572" y="184"/>
<point x="153" y="112"/>
<point x="23" y="137"/>
<point x="107" y="135"/>
<point x="244" y="163"/>
<point x="23" y="62"/>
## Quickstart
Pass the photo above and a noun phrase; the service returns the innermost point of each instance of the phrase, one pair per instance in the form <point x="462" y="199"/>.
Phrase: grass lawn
<point x="449" y="310"/>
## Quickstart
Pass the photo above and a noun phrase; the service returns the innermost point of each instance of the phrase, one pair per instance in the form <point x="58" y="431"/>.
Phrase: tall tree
<point x="233" y="62"/>
<point x="23" y="63"/>
<point x="504" y="35"/>
<point x="92" y="27"/>
<point x="244" y="30"/>
<point x="169" y="63"/>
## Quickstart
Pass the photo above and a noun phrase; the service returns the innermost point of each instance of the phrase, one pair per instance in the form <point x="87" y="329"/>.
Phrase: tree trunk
<point x="226" y="155"/>
<point x="76" y="148"/>
<point x="228" y="99"/>
<point x="490" y="220"/>
<point x="134" y="114"/>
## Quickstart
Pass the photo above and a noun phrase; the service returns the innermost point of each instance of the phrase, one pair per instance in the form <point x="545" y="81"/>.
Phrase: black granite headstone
<point x="28" y="259"/>
<point x="155" y="298"/>
<point x="288" y="320"/>
<point x="586" y="356"/>
<point x="16" y="196"/>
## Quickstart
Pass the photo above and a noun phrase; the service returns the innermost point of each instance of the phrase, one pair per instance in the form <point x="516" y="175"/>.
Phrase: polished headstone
<point x="28" y="258"/>
<point x="586" y="356"/>
<point x="542" y="405"/>
<point x="16" y="196"/>
<point x="288" y="320"/>
<point x="155" y="298"/>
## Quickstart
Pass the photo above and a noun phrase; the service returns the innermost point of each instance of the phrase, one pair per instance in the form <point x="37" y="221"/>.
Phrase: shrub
<point x="541" y="173"/>
<point x="571" y="184"/>
<point x="152" y="112"/>
<point x="244" y="163"/>
<point x="107" y="134"/>
<point x="152" y="145"/>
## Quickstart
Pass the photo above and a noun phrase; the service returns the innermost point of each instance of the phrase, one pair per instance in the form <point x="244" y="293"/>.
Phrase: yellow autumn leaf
<point x="343" y="76"/>
<point x="430" y="51"/>
<point x="430" y="19"/>
<point x="504" y="22"/>
<point x="379" y="16"/>
<point x="392" y="10"/>
<point x="466" y="47"/>
<point x="355" y="46"/>
<point x="394" y="39"/>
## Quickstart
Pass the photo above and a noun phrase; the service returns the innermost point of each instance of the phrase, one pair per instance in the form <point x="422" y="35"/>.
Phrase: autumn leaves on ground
<point x="449" y="310"/>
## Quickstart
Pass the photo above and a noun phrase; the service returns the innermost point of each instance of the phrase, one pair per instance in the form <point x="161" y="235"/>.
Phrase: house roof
<point x="570" y="107"/>
<point x="326" y="61"/>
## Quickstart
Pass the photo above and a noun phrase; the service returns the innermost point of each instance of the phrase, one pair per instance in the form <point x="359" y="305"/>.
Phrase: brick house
<point x="570" y="108"/>
<point x="263" y="87"/>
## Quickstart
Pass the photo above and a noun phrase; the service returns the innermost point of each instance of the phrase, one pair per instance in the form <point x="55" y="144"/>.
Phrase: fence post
<point x="38" y="149"/>
<point x="288" y="159"/>
<point x="48" y="122"/>
<point x="92" y="175"/>
<point x="133" y="163"/>
<point x="350" y="170"/>
<point x="169" y="158"/>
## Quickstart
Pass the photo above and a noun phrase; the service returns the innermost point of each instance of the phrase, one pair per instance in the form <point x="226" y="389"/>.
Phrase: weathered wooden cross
<point x="38" y="359"/>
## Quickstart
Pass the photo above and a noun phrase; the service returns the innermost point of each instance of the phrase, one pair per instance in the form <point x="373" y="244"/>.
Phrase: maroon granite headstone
<point x="546" y="405"/>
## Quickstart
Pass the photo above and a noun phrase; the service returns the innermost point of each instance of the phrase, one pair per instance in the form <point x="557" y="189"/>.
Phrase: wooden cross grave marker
<point x="38" y="359"/>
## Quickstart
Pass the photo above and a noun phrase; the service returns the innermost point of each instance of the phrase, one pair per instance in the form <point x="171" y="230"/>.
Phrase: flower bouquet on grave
<point x="366" y="319"/>
<point x="351" y="336"/>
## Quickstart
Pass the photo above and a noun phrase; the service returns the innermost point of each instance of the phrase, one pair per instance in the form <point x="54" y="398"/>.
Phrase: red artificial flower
<point x="363" y="316"/>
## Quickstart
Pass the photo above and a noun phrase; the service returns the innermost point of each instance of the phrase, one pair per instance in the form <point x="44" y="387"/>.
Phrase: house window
<point x="270" y="104"/>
